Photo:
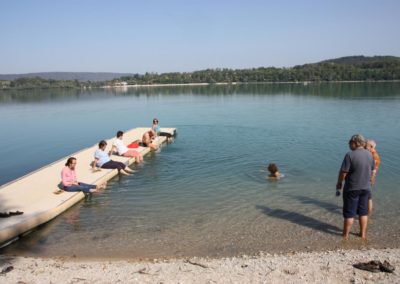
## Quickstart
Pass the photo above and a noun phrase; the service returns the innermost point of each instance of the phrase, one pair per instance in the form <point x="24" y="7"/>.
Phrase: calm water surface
<point x="206" y="194"/>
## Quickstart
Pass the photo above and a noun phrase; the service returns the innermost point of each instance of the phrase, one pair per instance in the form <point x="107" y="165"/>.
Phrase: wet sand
<point x="312" y="267"/>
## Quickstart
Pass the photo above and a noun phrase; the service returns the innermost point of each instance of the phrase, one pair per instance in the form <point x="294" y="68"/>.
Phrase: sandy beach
<point x="312" y="267"/>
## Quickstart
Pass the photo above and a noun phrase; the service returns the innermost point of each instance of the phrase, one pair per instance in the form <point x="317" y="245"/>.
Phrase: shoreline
<point x="296" y="267"/>
<point x="305" y="83"/>
<point x="136" y="255"/>
<point x="242" y="83"/>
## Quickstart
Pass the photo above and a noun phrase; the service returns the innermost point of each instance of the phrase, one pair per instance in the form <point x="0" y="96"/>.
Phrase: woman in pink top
<point x="69" y="181"/>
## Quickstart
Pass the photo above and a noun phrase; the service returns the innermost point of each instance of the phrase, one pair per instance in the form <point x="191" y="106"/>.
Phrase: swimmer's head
<point x="273" y="169"/>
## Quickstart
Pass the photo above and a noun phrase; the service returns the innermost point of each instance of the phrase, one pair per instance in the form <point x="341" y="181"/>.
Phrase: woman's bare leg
<point x="370" y="207"/>
<point x="124" y="172"/>
<point x="129" y="170"/>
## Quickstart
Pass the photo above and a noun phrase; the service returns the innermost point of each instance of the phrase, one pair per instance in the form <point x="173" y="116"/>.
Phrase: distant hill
<point x="80" y="76"/>
<point x="360" y="60"/>
<point x="350" y="68"/>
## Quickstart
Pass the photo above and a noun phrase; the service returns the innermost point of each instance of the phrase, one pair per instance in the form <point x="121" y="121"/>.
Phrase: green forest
<point x="40" y="83"/>
<point x="357" y="68"/>
<point x="352" y="68"/>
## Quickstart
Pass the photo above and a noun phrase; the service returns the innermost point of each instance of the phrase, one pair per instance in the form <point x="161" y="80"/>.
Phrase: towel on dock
<point x="133" y="145"/>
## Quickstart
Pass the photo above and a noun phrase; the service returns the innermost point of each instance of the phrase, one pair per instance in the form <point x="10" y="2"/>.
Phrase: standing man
<point x="371" y="147"/>
<point x="356" y="171"/>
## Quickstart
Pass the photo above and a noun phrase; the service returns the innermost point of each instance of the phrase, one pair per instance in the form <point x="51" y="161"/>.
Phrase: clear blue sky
<point x="170" y="35"/>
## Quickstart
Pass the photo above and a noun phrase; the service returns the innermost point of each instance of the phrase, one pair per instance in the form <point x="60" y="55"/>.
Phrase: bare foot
<point x="101" y="186"/>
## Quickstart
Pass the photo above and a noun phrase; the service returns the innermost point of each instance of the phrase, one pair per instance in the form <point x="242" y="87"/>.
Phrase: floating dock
<point x="34" y="195"/>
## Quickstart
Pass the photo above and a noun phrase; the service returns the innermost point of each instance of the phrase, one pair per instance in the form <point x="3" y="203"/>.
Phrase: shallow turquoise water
<point x="207" y="193"/>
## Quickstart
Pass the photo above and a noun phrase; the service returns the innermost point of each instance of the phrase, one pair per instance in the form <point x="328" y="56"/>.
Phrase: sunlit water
<point x="206" y="194"/>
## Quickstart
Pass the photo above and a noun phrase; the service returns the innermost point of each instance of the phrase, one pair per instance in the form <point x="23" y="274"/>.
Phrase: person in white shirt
<point x="102" y="160"/>
<point x="122" y="150"/>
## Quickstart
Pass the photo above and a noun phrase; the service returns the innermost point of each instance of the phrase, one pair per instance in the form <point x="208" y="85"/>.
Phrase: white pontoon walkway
<point x="33" y="193"/>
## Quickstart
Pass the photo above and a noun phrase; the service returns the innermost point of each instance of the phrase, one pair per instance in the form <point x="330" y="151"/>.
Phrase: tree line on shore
<point x="353" y="68"/>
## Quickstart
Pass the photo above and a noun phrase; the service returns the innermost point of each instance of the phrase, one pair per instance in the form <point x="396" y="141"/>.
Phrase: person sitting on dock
<point x="155" y="127"/>
<point x="122" y="150"/>
<point x="102" y="160"/>
<point x="274" y="172"/>
<point x="147" y="140"/>
<point x="70" y="183"/>
<point x="157" y="130"/>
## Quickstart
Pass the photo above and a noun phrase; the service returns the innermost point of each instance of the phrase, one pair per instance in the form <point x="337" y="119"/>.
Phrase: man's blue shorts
<point x="355" y="202"/>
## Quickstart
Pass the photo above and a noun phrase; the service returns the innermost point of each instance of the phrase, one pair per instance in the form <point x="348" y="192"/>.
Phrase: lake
<point x="206" y="194"/>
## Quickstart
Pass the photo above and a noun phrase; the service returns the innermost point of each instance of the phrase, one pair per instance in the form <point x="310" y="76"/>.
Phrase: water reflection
<point x="337" y="90"/>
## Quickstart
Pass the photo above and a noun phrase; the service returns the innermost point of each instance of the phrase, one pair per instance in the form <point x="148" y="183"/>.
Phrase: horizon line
<point x="196" y="70"/>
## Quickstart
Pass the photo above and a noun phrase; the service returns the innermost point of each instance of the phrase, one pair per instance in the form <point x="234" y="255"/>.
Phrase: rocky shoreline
<point x="303" y="267"/>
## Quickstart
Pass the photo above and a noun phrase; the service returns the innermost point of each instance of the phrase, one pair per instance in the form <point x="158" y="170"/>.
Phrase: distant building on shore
<point x="120" y="84"/>
<point x="116" y="84"/>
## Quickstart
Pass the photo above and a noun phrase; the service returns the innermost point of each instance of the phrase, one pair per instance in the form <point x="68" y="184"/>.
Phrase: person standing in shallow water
<point x="371" y="147"/>
<point x="356" y="172"/>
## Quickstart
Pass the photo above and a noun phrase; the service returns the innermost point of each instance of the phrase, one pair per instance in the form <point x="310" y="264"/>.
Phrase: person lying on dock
<point x="70" y="183"/>
<point x="102" y="160"/>
<point x="122" y="150"/>
<point x="147" y="140"/>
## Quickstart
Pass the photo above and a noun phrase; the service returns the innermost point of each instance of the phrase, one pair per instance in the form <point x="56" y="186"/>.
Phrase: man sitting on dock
<point x="147" y="140"/>
<point x="122" y="150"/>
<point x="102" y="160"/>
<point x="70" y="183"/>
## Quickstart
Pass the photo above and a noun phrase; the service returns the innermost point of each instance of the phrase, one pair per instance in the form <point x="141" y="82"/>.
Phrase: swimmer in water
<point x="274" y="172"/>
